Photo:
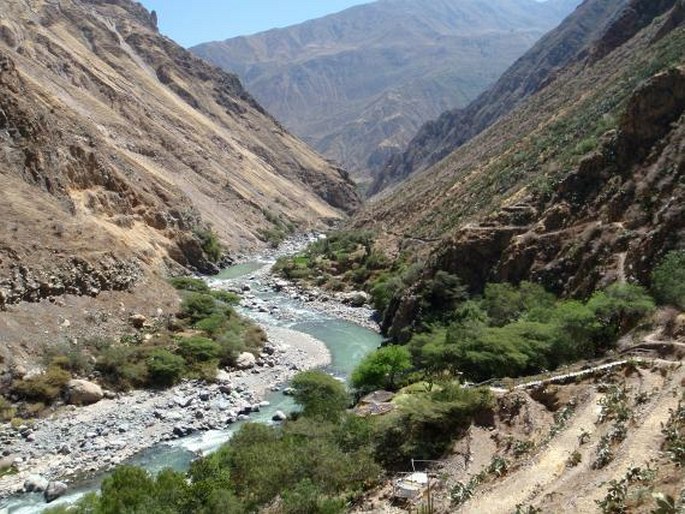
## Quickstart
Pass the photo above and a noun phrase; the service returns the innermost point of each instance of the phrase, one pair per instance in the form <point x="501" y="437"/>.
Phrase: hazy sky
<point x="190" y="22"/>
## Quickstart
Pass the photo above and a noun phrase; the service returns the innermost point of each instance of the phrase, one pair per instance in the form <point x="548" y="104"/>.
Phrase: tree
<point x="319" y="394"/>
<point x="668" y="279"/>
<point x="380" y="369"/>
<point x="620" y="307"/>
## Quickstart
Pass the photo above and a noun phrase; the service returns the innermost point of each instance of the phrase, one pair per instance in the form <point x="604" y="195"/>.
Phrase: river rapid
<point x="286" y="314"/>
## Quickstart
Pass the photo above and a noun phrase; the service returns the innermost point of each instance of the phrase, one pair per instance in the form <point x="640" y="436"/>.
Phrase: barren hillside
<point x="121" y="154"/>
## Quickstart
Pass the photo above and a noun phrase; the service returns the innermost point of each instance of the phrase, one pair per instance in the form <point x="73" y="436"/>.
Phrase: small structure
<point x="411" y="487"/>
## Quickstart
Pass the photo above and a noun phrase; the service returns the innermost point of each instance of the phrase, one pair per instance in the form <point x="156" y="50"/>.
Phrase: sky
<point x="198" y="21"/>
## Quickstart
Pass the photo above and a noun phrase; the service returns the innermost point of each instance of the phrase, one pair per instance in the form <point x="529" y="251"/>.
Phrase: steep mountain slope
<point x="437" y="138"/>
<point x="119" y="150"/>
<point x="579" y="186"/>
<point x="358" y="84"/>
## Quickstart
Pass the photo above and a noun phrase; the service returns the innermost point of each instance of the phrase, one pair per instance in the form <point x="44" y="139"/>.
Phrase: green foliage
<point x="514" y="331"/>
<point x="426" y="423"/>
<point x="226" y="297"/>
<point x="674" y="433"/>
<point x="46" y="387"/>
<point x="320" y="395"/>
<point x="122" y="367"/>
<point x="199" y="349"/>
<point x="164" y="369"/>
<point x="620" y="307"/>
<point x="306" y="498"/>
<point x="382" y="368"/>
<point x="209" y="241"/>
<point x="505" y="303"/>
<point x="197" y="306"/>
<point x="195" y="285"/>
<point x="440" y="295"/>
<point x="668" y="279"/>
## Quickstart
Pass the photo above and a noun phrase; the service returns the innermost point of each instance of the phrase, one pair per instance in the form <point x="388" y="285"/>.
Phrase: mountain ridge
<point x="357" y="84"/>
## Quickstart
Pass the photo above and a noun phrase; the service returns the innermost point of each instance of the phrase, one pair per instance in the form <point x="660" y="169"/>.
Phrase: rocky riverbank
<point x="77" y="441"/>
<point x="350" y="306"/>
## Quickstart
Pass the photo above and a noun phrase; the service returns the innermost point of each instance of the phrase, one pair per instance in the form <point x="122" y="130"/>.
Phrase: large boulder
<point x="82" y="392"/>
<point x="54" y="490"/>
<point x="35" y="484"/>
<point x="245" y="361"/>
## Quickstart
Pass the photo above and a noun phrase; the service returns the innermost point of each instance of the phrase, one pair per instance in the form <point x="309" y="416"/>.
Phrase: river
<point x="347" y="342"/>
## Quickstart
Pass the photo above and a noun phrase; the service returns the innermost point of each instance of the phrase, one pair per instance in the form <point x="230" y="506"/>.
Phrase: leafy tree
<point x="440" y="295"/>
<point x="319" y="394"/>
<point x="620" y="307"/>
<point x="668" y="279"/>
<point x="380" y="369"/>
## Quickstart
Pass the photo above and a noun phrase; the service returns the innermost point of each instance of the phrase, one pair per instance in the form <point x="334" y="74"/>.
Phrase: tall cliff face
<point x="579" y="186"/>
<point x="358" y="84"/>
<point x="118" y="148"/>
<point x="438" y="138"/>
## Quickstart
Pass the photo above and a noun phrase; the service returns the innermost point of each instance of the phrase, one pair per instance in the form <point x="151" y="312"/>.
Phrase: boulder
<point x="35" y="484"/>
<point x="82" y="392"/>
<point x="279" y="415"/>
<point x="137" y="320"/>
<point x="54" y="490"/>
<point x="245" y="361"/>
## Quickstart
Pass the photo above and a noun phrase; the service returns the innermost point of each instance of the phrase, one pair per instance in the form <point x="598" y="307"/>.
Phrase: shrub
<point x="164" y="368"/>
<point x="197" y="306"/>
<point x="122" y="367"/>
<point x="319" y="394"/>
<point x="46" y="387"/>
<point x="226" y="297"/>
<point x="668" y="279"/>
<point x="210" y="244"/>
<point x="192" y="284"/>
<point x="620" y="307"/>
<point x="199" y="349"/>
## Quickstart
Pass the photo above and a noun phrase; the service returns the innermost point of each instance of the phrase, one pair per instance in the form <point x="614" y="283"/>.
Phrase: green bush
<point x="226" y="297"/>
<point x="620" y="307"/>
<point x="164" y="368"/>
<point x="320" y="395"/>
<point x="197" y="306"/>
<point x="122" y="367"/>
<point x="426" y="424"/>
<point x="210" y="244"/>
<point x="668" y="279"/>
<point x="199" y="349"/>
<point x="192" y="284"/>
<point x="46" y="387"/>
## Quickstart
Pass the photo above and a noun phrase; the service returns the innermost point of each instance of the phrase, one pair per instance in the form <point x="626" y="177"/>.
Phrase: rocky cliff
<point x="580" y="186"/>
<point x="358" y="84"/>
<point x="121" y="153"/>
<point x="439" y="137"/>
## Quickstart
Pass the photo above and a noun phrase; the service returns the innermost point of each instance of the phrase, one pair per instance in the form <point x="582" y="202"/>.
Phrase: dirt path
<point x="643" y="443"/>
<point x="526" y="483"/>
